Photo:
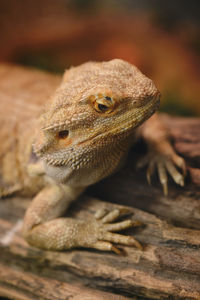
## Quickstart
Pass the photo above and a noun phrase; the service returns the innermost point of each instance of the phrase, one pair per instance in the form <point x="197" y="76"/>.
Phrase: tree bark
<point x="167" y="268"/>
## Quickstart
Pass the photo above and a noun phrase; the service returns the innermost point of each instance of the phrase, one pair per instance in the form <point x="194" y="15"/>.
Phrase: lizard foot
<point x="104" y="229"/>
<point x="163" y="164"/>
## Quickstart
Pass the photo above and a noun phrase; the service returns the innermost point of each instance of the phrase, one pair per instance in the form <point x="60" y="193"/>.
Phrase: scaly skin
<point x="82" y="136"/>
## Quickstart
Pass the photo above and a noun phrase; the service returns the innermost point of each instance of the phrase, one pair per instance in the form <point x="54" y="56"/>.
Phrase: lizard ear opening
<point x="63" y="134"/>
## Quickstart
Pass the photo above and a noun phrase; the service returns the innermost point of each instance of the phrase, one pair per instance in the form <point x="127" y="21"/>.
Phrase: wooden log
<point x="169" y="265"/>
<point x="19" y="284"/>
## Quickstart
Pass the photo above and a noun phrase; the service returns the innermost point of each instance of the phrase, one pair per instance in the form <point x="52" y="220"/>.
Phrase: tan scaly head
<point x="96" y="106"/>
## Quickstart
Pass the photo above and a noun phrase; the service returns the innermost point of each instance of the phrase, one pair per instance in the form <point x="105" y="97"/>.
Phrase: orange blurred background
<point x="162" y="38"/>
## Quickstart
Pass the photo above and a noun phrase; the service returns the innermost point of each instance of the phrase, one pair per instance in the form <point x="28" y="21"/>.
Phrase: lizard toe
<point x="162" y="176"/>
<point x="177" y="177"/>
<point x="100" y="213"/>
<point x="121" y="239"/>
<point x="122" y="225"/>
<point x="150" y="171"/>
<point x="105" y="246"/>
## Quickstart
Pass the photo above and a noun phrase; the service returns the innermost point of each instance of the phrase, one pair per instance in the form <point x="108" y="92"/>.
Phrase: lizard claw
<point x="104" y="229"/>
<point x="150" y="171"/>
<point x="165" y="164"/>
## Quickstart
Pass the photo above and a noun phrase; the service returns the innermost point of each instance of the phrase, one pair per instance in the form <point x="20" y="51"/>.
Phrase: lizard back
<point x="23" y="94"/>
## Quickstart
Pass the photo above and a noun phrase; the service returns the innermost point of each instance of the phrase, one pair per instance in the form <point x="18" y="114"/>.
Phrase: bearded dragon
<point x="53" y="149"/>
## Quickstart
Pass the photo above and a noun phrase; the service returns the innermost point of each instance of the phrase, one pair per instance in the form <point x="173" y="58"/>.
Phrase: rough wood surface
<point x="169" y="266"/>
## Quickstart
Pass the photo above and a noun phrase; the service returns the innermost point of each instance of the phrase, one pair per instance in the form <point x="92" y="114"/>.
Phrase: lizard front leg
<point x="41" y="227"/>
<point x="161" y="155"/>
<point x="44" y="228"/>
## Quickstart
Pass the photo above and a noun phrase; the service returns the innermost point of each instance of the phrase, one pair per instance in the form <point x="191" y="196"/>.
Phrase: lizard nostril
<point x="63" y="134"/>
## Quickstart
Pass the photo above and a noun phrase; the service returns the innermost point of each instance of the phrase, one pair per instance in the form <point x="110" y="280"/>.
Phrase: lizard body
<point x="81" y="135"/>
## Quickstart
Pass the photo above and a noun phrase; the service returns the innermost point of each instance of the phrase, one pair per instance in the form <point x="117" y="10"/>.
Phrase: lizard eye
<point x="63" y="134"/>
<point x="102" y="104"/>
<point x="102" y="107"/>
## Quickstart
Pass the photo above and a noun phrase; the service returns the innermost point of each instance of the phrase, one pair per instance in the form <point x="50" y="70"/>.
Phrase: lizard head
<point x="96" y="106"/>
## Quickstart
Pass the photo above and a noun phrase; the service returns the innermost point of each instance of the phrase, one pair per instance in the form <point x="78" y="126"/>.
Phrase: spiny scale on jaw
<point x="54" y="162"/>
<point x="55" y="127"/>
<point x="99" y="104"/>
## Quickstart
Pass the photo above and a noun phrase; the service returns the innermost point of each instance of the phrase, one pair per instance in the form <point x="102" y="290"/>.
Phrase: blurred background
<point x="162" y="38"/>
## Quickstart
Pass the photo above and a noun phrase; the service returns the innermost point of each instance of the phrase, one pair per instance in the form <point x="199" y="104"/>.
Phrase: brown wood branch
<point x="169" y="265"/>
<point x="20" y="284"/>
